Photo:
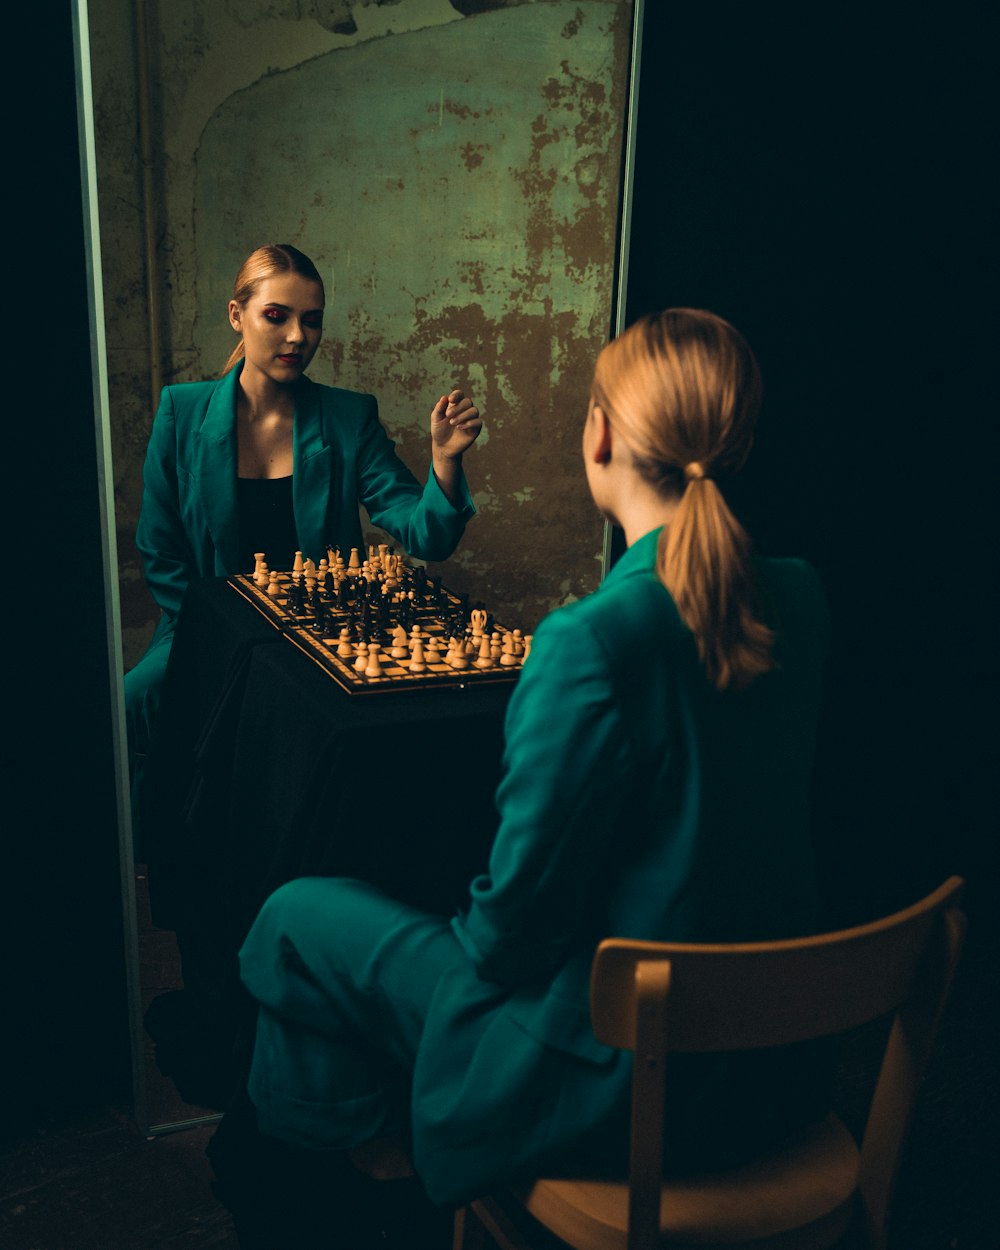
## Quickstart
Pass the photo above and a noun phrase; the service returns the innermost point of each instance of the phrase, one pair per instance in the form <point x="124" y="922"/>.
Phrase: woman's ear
<point x="600" y="444"/>
<point x="235" y="316"/>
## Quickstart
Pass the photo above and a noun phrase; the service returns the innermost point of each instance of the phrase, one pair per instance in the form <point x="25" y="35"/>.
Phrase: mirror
<point x="457" y="169"/>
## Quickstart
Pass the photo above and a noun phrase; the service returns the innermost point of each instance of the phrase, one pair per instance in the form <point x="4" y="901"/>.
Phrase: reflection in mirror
<point x="454" y="170"/>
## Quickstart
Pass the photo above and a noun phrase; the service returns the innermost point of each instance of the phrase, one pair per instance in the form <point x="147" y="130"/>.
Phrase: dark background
<point x="817" y="176"/>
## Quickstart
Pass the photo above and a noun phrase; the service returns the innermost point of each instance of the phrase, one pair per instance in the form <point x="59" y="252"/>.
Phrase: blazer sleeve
<point x="565" y="762"/>
<point x="424" y="520"/>
<point x="168" y="558"/>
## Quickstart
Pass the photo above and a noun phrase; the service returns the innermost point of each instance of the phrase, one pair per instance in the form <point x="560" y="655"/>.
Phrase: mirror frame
<point x="99" y="371"/>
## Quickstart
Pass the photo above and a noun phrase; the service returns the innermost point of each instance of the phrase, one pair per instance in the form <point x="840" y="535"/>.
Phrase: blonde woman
<point x="264" y="459"/>
<point x="658" y="755"/>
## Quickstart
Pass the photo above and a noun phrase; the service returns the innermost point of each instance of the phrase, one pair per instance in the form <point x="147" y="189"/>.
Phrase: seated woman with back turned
<point x="265" y="460"/>
<point x="659" y="746"/>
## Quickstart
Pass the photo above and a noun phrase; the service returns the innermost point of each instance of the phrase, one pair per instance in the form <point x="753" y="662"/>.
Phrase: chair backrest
<point x="657" y="997"/>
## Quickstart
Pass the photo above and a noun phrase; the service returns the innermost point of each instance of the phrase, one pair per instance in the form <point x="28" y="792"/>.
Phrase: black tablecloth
<point x="264" y="769"/>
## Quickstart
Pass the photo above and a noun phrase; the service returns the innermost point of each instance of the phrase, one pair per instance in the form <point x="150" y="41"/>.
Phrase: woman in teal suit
<point x="265" y="460"/>
<point x="656" y="779"/>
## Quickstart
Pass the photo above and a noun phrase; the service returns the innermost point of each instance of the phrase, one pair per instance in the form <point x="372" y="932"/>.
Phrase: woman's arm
<point x="566" y="761"/>
<point x="427" y="522"/>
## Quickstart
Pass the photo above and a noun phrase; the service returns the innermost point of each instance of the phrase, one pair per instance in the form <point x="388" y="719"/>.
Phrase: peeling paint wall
<point x="453" y="169"/>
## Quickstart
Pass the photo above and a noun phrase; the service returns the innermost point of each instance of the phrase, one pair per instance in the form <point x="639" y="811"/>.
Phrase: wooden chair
<point x="653" y="998"/>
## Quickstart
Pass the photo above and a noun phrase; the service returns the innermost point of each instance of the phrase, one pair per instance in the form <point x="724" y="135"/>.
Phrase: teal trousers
<point x="344" y="977"/>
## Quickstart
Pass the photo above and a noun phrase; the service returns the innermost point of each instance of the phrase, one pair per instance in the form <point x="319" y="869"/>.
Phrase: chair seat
<point x="808" y="1185"/>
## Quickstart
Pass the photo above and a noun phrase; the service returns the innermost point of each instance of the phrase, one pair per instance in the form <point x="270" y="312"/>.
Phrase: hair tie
<point x="694" y="472"/>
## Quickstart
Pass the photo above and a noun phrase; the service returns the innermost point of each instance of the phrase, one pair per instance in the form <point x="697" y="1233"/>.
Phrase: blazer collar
<point x="217" y="468"/>
<point x="639" y="558"/>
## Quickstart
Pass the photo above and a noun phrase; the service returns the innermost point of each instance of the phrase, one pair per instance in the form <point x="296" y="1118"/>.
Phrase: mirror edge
<point x="625" y="230"/>
<point x="109" y="541"/>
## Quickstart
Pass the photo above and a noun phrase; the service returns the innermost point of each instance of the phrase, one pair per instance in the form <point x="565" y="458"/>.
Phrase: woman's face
<point x="281" y="324"/>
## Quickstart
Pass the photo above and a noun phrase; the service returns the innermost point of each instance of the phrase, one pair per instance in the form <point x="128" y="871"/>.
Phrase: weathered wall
<point x="455" y="176"/>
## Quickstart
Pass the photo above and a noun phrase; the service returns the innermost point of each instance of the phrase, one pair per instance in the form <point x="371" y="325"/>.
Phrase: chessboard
<point x="381" y="624"/>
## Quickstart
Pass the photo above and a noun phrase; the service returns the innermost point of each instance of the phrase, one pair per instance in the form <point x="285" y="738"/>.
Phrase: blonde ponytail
<point x="683" y="388"/>
<point x="704" y="560"/>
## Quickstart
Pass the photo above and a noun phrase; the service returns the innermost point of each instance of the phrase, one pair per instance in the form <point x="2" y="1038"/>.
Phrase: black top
<point x="266" y="521"/>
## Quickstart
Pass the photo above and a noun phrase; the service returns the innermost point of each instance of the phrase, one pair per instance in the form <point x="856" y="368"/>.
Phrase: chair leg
<point x="485" y="1217"/>
<point x="468" y="1234"/>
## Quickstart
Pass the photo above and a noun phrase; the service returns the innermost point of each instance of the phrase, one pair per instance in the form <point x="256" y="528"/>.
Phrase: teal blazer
<point x="637" y="801"/>
<point x="188" y="526"/>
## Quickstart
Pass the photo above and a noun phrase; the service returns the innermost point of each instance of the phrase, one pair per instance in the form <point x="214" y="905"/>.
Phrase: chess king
<point x="659" y="746"/>
<point x="265" y="459"/>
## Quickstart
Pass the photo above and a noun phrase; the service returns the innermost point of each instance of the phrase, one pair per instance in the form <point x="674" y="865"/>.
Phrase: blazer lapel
<point x="216" y="469"/>
<point x="311" y="472"/>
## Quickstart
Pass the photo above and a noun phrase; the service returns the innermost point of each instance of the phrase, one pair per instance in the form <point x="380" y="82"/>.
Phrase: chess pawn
<point x="262" y="575"/>
<point x="508" y="657"/>
<point x="517" y="642"/>
<point x="431" y="652"/>
<point x="273" y="585"/>
<point x="496" y="647"/>
<point x="485" y="659"/>
<point x="527" y="646"/>
<point x="417" y="662"/>
<point x="344" y="647"/>
<point x="361" y="663"/>
<point x="478" y="618"/>
<point x="374" y="665"/>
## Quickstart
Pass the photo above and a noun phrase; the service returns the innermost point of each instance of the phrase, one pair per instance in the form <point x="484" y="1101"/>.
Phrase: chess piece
<point x="297" y="563"/>
<point x="361" y="663"/>
<point x="374" y="665"/>
<point x="496" y="647"/>
<point x="399" y="647"/>
<point x="456" y="654"/>
<point x="508" y="657"/>
<point x="262" y="576"/>
<point x="527" y="646"/>
<point x="354" y="564"/>
<point x="344" y="647"/>
<point x="273" y="585"/>
<point x="417" y="663"/>
<point x="478" y="619"/>
<point x="485" y="658"/>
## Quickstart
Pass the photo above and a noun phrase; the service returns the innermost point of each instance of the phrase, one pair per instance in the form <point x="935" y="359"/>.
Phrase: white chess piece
<point x="417" y="664"/>
<point x="399" y="647"/>
<point x="485" y="659"/>
<point x="345" y="647"/>
<point x="374" y="666"/>
<point x="361" y="663"/>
